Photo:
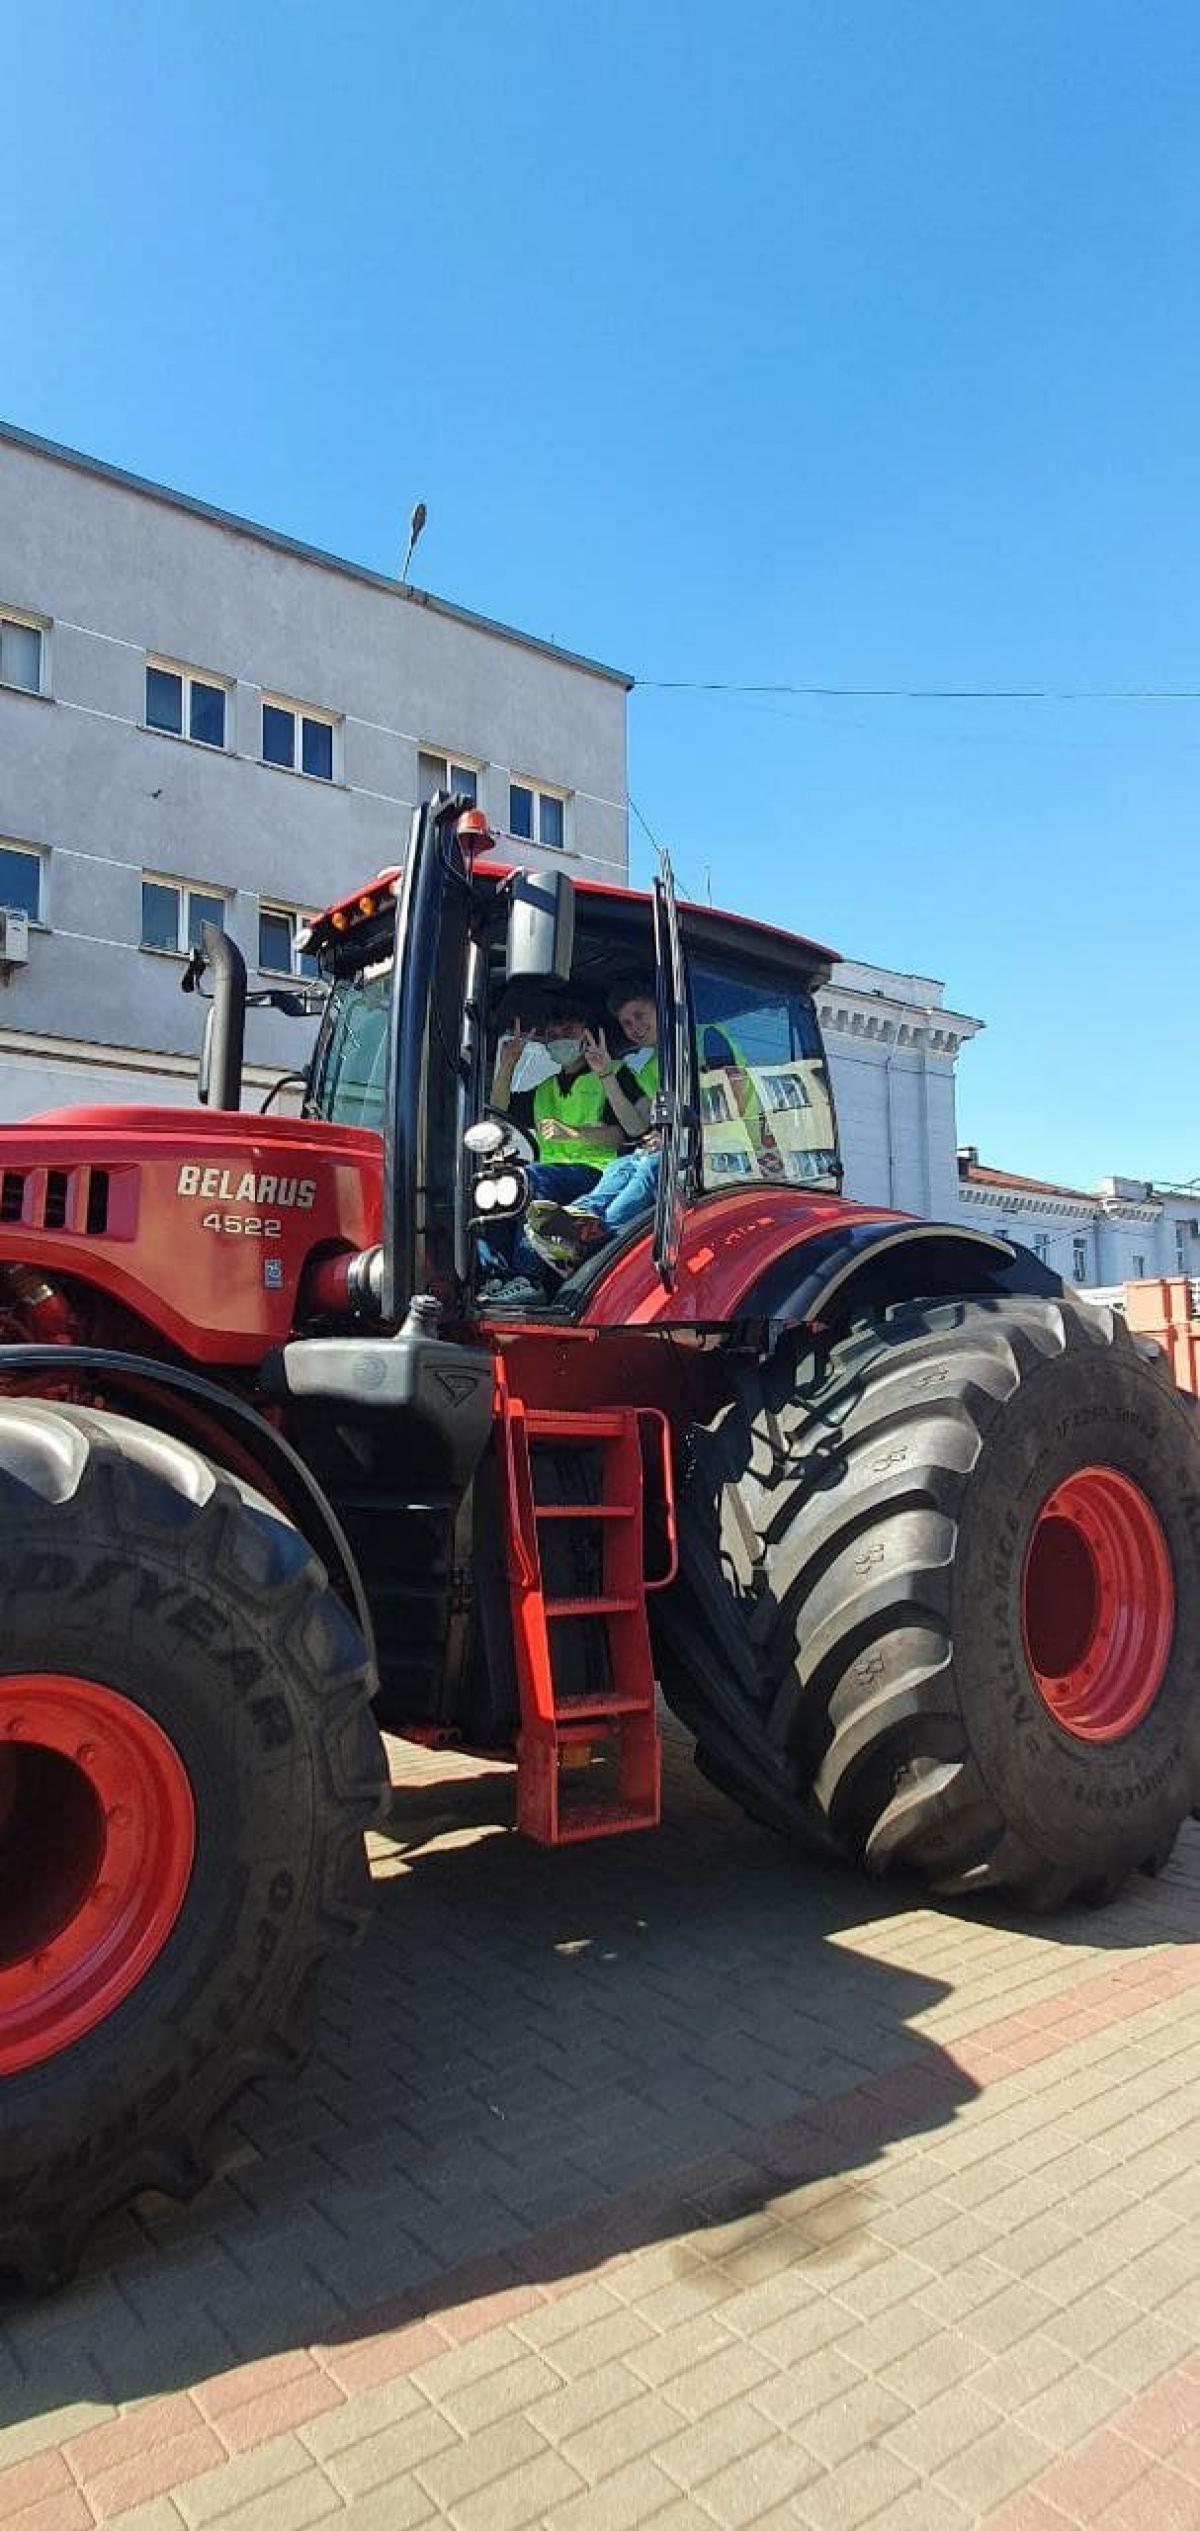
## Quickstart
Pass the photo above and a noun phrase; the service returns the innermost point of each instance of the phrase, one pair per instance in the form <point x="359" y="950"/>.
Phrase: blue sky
<point x="813" y="342"/>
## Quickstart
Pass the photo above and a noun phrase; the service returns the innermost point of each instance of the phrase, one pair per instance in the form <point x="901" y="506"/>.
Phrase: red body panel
<point x="178" y="1179"/>
<point x="728" y="1242"/>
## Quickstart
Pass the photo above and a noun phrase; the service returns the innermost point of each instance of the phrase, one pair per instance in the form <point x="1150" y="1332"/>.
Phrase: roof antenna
<point x="415" y="525"/>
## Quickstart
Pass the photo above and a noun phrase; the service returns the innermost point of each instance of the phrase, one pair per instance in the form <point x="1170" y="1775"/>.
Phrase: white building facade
<point x="1124" y="1231"/>
<point x="893" y="1049"/>
<point x="202" y="718"/>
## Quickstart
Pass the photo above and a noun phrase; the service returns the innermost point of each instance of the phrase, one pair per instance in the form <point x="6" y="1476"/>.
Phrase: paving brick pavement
<point x="681" y="2181"/>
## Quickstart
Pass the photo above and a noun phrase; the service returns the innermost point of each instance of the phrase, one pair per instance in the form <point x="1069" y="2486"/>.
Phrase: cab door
<point x="676" y="1111"/>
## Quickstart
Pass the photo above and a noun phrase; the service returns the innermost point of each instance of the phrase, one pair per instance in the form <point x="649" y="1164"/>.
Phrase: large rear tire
<point x="939" y="1598"/>
<point x="187" y="1765"/>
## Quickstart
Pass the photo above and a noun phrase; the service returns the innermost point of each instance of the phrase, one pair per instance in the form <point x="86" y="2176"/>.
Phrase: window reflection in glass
<point x="21" y="882"/>
<point x="765" y="1105"/>
<point x="21" y="656"/>
<point x="206" y="713"/>
<point x="203" y="909"/>
<point x="164" y="700"/>
<point x="350" y="1079"/>
<point x="160" y="915"/>
<point x="317" y="749"/>
<point x="278" y="736"/>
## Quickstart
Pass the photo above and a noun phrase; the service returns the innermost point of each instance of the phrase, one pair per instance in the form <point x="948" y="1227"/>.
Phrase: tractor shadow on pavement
<point x="538" y="2062"/>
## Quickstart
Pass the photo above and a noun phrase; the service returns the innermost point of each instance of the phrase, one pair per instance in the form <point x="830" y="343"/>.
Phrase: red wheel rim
<point x="97" y="1837"/>
<point x="1097" y="1604"/>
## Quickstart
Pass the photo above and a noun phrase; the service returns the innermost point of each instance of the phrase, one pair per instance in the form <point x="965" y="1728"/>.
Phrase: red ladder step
<point x="563" y="1737"/>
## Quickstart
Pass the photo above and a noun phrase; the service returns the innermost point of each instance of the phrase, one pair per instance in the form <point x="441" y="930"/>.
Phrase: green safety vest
<point x="579" y="1101"/>
<point x="715" y="1049"/>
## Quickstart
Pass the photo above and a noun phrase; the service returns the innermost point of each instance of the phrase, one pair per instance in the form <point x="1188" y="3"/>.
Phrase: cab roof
<point x="732" y="932"/>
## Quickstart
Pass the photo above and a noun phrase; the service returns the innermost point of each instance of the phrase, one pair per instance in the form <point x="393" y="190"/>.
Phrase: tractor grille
<point x="57" y="1199"/>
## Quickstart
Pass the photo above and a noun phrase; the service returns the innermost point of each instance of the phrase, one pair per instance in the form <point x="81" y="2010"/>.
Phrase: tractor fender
<point x="855" y="1267"/>
<point x="213" y="1418"/>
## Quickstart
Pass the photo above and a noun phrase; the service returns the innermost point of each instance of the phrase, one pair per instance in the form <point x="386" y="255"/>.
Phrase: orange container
<point x="1162" y="1307"/>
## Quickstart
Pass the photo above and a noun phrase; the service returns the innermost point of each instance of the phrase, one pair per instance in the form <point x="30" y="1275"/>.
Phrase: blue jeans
<point x="626" y="1188"/>
<point x="505" y="1249"/>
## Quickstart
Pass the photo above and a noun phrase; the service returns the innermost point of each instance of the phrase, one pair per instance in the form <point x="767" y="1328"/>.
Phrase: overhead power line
<point x="929" y="693"/>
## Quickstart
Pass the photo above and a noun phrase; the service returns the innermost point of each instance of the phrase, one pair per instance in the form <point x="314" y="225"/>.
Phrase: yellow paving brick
<point x="1070" y="2410"/>
<point x="526" y="2495"/>
<point x="608" y="2443"/>
<point x="1023" y="2372"/>
<point x="662" y="2358"/>
<point x="573" y="2405"/>
<point x="1153" y="2344"/>
<point x="621" y="2503"/>
<point x="204" y="2500"/>
<point x="509" y="2391"/>
<point x="788" y="2397"/>
<point x="984" y="2472"/>
<point x="731" y="2373"/>
<point x="712" y="2442"/>
<point x="400" y="2505"/>
<point x="158" y="2515"/>
<point x="358" y="2419"/>
<point x="293" y="2506"/>
<point x="936" y="2429"/>
<point x="461" y="2468"/>
<point x="851" y="2420"/>
<point x="358" y="2467"/>
<point x="600" y="2342"/>
<point x="757" y="2486"/>
<point x="855" y="2493"/>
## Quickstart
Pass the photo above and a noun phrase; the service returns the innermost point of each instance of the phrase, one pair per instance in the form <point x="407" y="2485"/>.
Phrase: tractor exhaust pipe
<point x="219" y="1077"/>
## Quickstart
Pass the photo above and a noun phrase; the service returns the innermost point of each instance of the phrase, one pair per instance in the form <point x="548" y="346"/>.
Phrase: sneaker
<point x="518" y="1288"/>
<point x="563" y="1237"/>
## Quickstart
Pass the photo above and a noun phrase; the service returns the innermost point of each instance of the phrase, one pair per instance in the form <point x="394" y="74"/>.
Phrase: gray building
<point x="200" y="716"/>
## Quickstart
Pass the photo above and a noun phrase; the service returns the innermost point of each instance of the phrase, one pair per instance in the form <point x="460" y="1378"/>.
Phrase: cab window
<point x="766" y="1111"/>
<point x="350" y="1075"/>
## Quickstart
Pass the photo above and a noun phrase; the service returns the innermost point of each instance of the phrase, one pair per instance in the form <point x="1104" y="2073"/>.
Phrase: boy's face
<point x="639" y="1020"/>
<point x="563" y="1037"/>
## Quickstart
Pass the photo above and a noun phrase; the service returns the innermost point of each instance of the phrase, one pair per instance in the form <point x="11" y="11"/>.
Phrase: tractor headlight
<point x="500" y="1191"/>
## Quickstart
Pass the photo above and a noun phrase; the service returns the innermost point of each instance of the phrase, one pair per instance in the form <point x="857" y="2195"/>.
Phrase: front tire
<point x="187" y="1765"/>
<point x="940" y="1598"/>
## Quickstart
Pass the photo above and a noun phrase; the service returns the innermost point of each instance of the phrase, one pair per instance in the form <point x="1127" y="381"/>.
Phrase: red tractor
<point x="907" y="1535"/>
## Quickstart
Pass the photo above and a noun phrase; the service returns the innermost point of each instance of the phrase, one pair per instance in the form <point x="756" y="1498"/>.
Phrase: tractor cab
<point x="692" y="1050"/>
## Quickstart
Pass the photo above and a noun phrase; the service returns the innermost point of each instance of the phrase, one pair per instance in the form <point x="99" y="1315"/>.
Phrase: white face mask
<point x="563" y="1050"/>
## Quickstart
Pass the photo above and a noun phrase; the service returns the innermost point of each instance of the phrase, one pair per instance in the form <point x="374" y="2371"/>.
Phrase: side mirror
<point x="541" y="928"/>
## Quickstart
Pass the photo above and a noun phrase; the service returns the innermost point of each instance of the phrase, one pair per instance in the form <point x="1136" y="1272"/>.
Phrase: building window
<point x="173" y="910"/>
<point x="1080" y="1261"/>
<point x="443" y="773"/>
<point x="1041" y="1245"/>
<point x="1181" y="1255"/>
<point x="1139" y="1265"/>
<point x="536" y="816"/>
<point x="297" y="739"/>
<point x="279" y="927"/>
<point x="22" y="650"/>
<point x="185" y="705"/>
<point x="21" y="880"/>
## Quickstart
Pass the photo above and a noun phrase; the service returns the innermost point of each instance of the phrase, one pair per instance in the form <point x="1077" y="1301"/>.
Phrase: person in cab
<point x="562" y="1231"/>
